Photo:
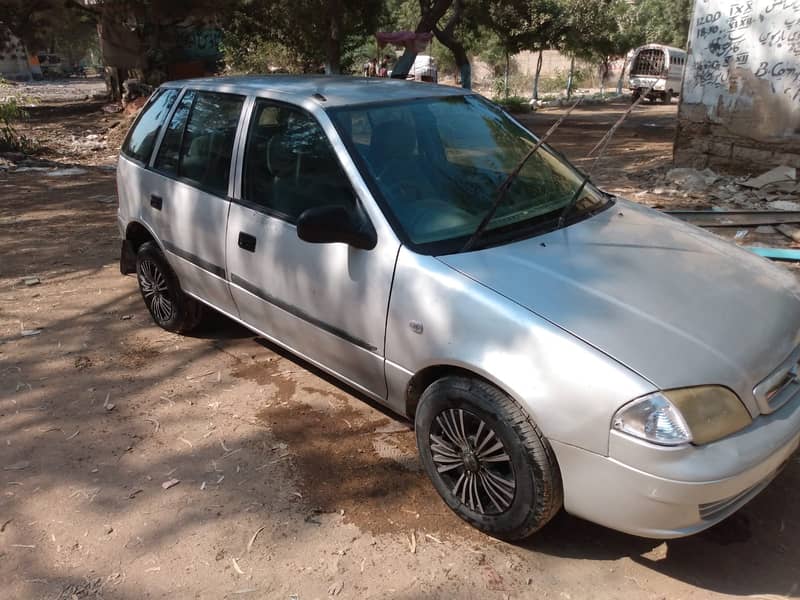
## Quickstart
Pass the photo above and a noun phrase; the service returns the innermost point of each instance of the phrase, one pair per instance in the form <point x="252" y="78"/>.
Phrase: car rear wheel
<point x="168" y="305"/>
<point x="486" y="458"/>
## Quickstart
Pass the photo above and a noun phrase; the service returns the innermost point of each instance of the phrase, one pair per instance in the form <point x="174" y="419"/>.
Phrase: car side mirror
<point x="336" y="224"/>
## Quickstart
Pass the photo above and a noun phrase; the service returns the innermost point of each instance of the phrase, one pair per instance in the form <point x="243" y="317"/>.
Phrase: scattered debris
<point x="31" y="281"/>
<point x="413" y="543"/>
<point x="741" y="234"/>
<point x="336" y="588"/>
<point x="236" y="566"/>
<point x="787" y="205"/>
<point x="170" y="483"/>
<point x="74" y="435"/>
<point x="793" y="233"/>
<point x="18" y="466"/>
<point x="109" y="406"/>
<point x="776" y="175"/>
<point x="134" y="493"/>
<point x="253" y="539"/>
<point x="693" y="179"/>
<point x="4" y="525"/>
<point x="30" y="332"/>
<point x="70" y="172"/>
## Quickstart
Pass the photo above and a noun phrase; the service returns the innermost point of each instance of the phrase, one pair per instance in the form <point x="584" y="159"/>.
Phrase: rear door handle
<point x="156" y="202"/>
<point x="247" y="242"/>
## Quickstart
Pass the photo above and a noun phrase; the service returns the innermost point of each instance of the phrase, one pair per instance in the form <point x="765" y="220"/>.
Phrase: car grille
<point x="713" y="511"/>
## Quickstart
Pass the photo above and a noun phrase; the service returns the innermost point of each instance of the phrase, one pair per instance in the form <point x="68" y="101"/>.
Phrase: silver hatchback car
<point x="569" y="348"/>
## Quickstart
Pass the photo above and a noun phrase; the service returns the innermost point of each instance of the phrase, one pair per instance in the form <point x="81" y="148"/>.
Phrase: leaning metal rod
<point x="606" y="139"/>
<point x="501" y="191"/>
<point x="602" y="145"/>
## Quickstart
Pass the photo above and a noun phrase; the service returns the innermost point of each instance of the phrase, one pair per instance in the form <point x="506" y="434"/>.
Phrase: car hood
<point x="670" y="301"/>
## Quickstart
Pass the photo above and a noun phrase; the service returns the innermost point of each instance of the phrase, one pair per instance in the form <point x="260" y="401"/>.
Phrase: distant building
<point x="741" y="86"/>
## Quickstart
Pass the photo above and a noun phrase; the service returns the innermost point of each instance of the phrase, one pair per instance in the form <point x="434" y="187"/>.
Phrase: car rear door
<point x="326" y="302"/>
<point x="193" y="166"/>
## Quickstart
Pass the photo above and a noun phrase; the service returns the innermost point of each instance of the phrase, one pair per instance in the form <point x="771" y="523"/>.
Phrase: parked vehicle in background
<point x="564" y="347"/>
<point x="52" y="65"/>
<point x="424" y="69"/>
<point x="658" y="67"/>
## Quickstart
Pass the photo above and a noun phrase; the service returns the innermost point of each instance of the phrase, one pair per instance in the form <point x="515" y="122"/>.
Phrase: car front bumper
<point x="661" y="492"/>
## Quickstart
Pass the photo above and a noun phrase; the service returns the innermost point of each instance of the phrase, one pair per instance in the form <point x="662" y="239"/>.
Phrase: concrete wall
<point x="13" y="57"/>
<point x="741" y="89"/>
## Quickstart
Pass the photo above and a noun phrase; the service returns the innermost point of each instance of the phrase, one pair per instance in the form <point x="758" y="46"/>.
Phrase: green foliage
<point x="557" y="82"/>
<point x="515" y="104"/>
<point x="11" y="112"/>
<point x="260" y="55"/>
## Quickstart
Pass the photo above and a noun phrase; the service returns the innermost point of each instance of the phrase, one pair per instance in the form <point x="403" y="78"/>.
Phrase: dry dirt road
<point x="288" y="485"/>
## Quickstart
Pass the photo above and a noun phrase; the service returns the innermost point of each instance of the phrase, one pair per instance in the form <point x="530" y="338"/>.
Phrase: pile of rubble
<point x="777" y="189"/>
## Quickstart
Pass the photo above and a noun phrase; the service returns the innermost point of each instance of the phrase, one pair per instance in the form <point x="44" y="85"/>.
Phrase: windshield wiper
<point x="503" y="188"/>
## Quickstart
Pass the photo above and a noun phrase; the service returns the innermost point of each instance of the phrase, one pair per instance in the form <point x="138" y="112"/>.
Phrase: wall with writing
<point x="740" y="101"/>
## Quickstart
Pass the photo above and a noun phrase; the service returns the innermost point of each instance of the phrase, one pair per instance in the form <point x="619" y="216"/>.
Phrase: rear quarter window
<point x="142" y="137"/>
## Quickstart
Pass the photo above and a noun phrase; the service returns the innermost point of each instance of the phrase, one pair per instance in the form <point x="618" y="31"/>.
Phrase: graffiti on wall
<point x="732" y="42"/>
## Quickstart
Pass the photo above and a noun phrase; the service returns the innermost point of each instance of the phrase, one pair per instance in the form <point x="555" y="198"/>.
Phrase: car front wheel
<point x="486" y="458"/>
<point x="168" y="305"/>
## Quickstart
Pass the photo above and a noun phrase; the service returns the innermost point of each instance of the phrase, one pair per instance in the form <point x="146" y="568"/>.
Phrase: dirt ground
<point x="139" y="464"/>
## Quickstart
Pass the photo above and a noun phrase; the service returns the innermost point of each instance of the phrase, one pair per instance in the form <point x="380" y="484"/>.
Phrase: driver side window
<point x="290" y="165"/>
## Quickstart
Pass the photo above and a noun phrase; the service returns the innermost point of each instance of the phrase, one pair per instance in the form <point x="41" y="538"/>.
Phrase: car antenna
<point x="600" y="148"/>
<point x="502" y="190"/>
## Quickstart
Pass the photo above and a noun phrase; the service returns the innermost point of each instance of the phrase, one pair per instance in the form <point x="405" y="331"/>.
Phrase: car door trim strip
<point x="292" y="310"/>
<point x="194" y="259"/>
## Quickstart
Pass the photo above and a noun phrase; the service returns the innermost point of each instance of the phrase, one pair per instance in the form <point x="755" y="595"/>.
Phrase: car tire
<point x="168" y="305"/>
<point x="505" y="480"/>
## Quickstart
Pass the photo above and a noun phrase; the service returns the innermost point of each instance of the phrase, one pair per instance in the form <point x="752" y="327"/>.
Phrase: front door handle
<point x="247" y="242"/>
<point x="156" y="202"/>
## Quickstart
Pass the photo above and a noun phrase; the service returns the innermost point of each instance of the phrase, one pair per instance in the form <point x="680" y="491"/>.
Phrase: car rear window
<point x="143" y="135"/>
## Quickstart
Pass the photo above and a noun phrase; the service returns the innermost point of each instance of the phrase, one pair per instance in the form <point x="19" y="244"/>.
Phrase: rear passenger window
<point x="140" y="141"/>
<point x="198" y="145"/>
<point x="168" y="159"/>
<point x="290" y="165"/>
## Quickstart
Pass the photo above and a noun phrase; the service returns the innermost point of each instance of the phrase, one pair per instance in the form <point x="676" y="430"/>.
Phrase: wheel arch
<point x="138" y="233"/>
<point x="422" y="380"/>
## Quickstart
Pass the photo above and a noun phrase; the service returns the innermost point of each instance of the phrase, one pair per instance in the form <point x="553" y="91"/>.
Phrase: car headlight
<point x="697" y="415"/>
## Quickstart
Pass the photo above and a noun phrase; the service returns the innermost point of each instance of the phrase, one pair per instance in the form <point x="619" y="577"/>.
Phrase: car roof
<point x="337" y="90"/>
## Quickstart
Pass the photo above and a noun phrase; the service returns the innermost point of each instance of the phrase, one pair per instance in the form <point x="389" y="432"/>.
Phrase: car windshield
<point x="437" y="164"/>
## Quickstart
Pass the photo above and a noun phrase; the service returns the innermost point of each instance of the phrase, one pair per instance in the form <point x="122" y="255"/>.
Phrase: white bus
<point x="658" y="67"/>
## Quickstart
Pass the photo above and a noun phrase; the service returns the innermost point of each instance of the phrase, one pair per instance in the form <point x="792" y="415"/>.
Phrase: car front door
<point x="326" y="302"/>
<point x="193" y="164"/>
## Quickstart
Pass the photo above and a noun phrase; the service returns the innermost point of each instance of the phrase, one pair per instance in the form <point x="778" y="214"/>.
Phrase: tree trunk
<point x="466" y="75"/>
<point x="620" y="81"/>
<point x="333" y="51"/>
<point x="459" y="54"/>
<point x="570" y="76"/>
<point x="447" y="38"/>
<point x="505" y="79"/>
<point x="537" y="75"/>
<point x="430" y="15"/>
